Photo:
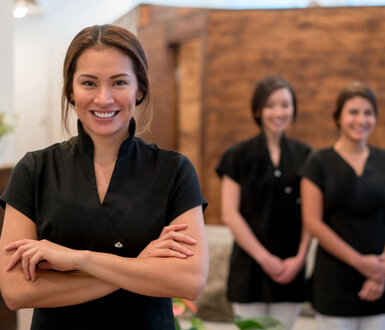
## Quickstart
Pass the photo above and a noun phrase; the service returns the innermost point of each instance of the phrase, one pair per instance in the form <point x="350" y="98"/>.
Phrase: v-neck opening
<point x="108" y="186"/>
<point x="281" y="143"/>
<point x="350" y="166"/>
<point x="87" y="147"/>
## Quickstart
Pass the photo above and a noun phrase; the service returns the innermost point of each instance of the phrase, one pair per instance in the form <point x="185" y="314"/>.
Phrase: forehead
<point x="358" y="102"/>
<point x="109" y="58"/>
<point x="280" y="93"/>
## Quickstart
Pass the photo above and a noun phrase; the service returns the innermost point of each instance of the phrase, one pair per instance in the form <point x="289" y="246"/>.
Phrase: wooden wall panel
<point x="189" y="101"/>
<point x="318" y="50"/>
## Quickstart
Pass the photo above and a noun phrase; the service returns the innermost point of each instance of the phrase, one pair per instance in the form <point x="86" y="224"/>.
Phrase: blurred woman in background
<point x="261" y="206"/>
<point x="343" y="199"/>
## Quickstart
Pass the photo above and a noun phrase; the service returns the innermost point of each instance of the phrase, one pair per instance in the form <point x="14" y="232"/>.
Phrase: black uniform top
<point x="56" y="188"/>
<point x="270" y="204"/>
<point x="354" y="207"/>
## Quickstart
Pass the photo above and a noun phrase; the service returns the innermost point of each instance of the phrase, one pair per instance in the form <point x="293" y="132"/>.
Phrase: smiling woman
<point x="102" y="230"/>
<point x="260" y="204"/>
<point x="343" y="198"/>
<point x="105" y="93"/>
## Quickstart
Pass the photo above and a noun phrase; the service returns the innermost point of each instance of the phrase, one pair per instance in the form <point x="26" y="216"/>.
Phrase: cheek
<point x="373" y="121"/>
<point x="265" y="114"/>
<point x="81" y="97"/>
<point x="127" y="99"/>
<point x="290" y="113"/>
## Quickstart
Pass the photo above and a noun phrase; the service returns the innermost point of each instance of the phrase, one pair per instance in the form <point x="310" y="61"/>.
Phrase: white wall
<point x="6" y="74"/>
<point x="6" y="51"/>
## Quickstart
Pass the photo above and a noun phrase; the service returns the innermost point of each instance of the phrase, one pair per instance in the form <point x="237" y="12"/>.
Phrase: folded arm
<point x="23" y="286"/>
<point x="51" y="289"/>
<point x="159" y="277"/>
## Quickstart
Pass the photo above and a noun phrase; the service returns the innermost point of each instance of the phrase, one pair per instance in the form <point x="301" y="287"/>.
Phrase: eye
<point x="121" y="83"/>
<point x="353" y="111"/>
<point x="88" y="83"/>
<point x="369" y="112"/>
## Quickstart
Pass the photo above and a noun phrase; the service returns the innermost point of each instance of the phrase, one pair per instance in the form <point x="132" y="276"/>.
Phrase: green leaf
<point x="261" y="322"/>
<point x="198" y="324"/>
<point x="248" y="324"/>
<point x="269" y="323"/>
<point x="176" y="323"/>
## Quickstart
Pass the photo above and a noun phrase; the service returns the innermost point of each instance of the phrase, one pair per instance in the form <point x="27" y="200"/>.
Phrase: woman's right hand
<point x="169" y="244"/>
<point x="371" y="290"/>
<point x="372" y="266"/>
<point x="272" y="265"/>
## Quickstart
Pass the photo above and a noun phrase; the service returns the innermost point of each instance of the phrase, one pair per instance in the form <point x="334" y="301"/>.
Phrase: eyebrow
<point x="85" y="75"/>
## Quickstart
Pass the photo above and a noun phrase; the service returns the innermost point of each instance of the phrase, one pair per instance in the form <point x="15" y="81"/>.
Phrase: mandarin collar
<point x="87" y="145"/>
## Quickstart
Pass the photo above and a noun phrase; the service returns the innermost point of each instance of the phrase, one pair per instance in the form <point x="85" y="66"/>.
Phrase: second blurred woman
<point x="343" y="193"/>
<point x="261" y="206"/>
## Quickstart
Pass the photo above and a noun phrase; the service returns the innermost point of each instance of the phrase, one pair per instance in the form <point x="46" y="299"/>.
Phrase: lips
<point x="104" y="114"/>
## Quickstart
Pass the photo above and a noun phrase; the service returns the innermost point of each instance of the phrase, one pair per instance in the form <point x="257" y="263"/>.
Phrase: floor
<point x="303" y="323"/>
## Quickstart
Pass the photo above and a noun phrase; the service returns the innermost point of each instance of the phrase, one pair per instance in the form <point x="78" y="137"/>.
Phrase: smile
<point x="104" y="114"/>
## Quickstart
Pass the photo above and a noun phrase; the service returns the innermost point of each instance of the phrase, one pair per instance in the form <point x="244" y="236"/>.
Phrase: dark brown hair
<point x="263" y="90"/>
<point x="101" y="37"/>
<point x="355" y="88"/>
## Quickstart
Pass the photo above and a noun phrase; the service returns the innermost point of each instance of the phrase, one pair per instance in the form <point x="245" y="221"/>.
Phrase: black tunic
<point x="56" y="188"/>
<point x="271" y="206"/>
<point x="354" y="207"/>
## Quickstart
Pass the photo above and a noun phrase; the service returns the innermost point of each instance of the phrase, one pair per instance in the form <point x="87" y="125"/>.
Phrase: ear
<point x="72" y="101"/>
<point x="139" y="96"/>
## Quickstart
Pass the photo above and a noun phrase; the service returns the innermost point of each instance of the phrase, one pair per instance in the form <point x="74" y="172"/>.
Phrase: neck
<point x="351" y="146"/>
<point x="273" y="139"/>
<point x="106" y="149"/>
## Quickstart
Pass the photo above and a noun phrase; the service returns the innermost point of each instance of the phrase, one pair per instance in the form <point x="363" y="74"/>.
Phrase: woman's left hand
<point x="292" y="266"/>
<point x="42" y="254"/>
<point x="371" y="290"/>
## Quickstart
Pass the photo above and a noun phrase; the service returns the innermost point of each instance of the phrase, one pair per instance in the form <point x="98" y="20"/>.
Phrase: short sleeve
<point x="19" y="191"/>
<point x="228" y="165"/>
<point x="313" y="170"/>
<point x="186" y="193"/>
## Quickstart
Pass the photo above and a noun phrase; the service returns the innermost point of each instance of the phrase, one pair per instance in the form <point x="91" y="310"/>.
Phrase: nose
<point x="104" y="97"/>
<point x="278" y="111"/>
<point x="361" y="118"/>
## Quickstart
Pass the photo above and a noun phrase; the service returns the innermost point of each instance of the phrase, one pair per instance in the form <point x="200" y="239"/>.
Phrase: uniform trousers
<point x="372" y="322"/>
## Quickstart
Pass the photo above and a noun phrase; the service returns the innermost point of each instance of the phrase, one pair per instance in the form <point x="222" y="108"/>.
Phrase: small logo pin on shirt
<point x="118" y="245"/>
<point x="288" y="190"/>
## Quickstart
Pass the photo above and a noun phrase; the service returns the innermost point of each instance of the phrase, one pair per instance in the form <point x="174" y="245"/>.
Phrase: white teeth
<point x="104" y="114"/>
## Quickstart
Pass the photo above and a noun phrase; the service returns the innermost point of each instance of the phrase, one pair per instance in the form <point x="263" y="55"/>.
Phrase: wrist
<point x="300" y="259"/>
<point x="262" y="257"/>
<point x="82" y="258"/>
<point x="355" y="261"/>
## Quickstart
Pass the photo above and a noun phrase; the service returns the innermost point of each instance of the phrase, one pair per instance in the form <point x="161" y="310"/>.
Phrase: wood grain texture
<point x="318" y="50"/>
